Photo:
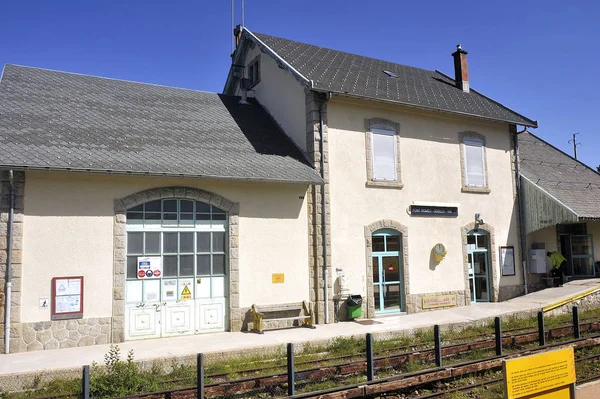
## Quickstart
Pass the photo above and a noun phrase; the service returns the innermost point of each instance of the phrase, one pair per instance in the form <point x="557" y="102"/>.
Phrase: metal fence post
<point x="541" y="332"/>
<point x="576" y="331"/>
<point x="200" y="375"/>
<point x="498" y="334"/>
<point x="85" y="383"/>
<point x="438" y="346"/>
<point x="290" y="369"/>
<point x="370" y="368"/>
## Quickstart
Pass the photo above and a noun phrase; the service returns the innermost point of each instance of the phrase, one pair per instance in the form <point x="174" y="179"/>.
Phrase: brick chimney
<point x="461" y="69"/>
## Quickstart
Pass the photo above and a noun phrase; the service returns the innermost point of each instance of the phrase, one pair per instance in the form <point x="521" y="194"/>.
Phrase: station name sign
<point x="433" y="211"/>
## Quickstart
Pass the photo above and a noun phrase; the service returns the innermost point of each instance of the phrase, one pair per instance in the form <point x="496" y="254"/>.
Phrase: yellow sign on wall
<point x="277" y="278"/>
<point x="439" y="301"/>
<point x="547" y="375"/>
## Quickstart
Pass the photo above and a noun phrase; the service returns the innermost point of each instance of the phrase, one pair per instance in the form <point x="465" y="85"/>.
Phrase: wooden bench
<point x="274" y="312"/>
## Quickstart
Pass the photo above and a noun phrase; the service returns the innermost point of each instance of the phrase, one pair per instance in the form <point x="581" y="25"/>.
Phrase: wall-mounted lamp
<point x="479" y="219"/>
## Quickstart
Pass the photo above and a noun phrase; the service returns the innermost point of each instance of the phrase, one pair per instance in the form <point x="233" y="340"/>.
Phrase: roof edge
<point x="534" y="124"/>
<point x="561" y="151"/>
<point x="424" y="107"/>
<point x="154" y="174"/>
<point x="246" y="33"/>
<point x="107" y="78"/>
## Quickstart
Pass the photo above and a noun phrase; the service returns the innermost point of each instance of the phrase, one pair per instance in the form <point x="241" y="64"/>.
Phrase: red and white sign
<point x="149" y="267"/>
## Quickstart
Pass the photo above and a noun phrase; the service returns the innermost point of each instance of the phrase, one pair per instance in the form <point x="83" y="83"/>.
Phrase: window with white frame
<point x="474" y="162"/>
<point x="384" y="155"/>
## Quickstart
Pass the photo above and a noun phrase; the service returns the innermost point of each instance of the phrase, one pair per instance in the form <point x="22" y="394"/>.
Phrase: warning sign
<point x="149" y="267"/>
<point x="538" y="374"/>
<point x="186" y="293"/>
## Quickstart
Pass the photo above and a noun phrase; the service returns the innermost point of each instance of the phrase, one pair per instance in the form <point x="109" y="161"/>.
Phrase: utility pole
<point x="575" y="144"/>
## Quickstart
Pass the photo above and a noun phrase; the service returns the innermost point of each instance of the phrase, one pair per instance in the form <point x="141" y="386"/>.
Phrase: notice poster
<point x="507" y="261"/>
<point x="545" y="375"/>
<point x="169" y="290"/>
<point x="151" y="291"/>
<point x="67" y="298"/>
<point x="149" y="267"/>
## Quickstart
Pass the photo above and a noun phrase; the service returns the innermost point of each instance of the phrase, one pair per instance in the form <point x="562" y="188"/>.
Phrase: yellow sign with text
<point x="548" y="375"/>
<point x="277" y="278"/>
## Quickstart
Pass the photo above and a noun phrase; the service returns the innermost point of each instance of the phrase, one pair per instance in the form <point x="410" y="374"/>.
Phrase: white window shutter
<point x="384" y="155"/>
<point x="474" y="163"/>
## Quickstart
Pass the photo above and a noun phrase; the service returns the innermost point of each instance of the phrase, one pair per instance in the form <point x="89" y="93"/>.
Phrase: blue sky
<point x="540" y="58"/>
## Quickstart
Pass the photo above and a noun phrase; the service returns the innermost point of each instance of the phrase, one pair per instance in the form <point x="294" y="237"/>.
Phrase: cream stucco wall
<point x="282" y="95"/>
<point x="545" y="236"/>
<point x="430" y="170"/>
<point x="68" y="230"/>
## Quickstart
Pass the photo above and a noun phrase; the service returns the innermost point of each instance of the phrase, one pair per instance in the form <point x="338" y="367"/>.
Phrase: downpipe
<point x="521" y="202"/>
<point x="324" y="210"/>
<point x="7" y="300"/>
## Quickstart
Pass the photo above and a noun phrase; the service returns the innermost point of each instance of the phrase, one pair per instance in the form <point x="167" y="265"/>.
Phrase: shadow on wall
<point x="432" y="262"/>
<point x="260" y="129"/>
<point x="512" y="289"/>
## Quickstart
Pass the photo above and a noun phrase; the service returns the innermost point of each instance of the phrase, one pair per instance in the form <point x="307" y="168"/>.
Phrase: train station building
<point x="135" y="211"/>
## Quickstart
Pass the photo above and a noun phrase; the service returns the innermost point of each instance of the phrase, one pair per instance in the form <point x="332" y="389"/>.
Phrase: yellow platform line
<point x="570" y="299"/>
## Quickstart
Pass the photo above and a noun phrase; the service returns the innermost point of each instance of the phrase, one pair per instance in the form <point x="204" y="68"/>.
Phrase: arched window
<point x="186" y="241"/>
<point x="388" y="284"/>
<point x="478" y="253"/>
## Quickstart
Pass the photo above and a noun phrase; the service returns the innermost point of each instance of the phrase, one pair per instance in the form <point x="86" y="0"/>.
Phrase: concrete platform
<point x="220" y="342"/>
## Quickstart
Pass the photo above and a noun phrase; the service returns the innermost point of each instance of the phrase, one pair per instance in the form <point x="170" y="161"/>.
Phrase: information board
<point x="433" y="211"/>
<point x="439" y="301"/>
<point x="67" y="298"/>
<point x="545" y="375"/>
<point x="507" y="261"/>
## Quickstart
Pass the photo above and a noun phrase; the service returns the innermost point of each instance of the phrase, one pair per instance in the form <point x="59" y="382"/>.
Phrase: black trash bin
<point x="354" y="303"/>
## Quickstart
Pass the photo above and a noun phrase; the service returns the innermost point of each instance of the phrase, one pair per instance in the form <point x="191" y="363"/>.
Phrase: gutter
<point x="324" y="210"/>
<point x="116" y="172"/>
<point x="9" y="264"/>
<point x="521" y="202"/>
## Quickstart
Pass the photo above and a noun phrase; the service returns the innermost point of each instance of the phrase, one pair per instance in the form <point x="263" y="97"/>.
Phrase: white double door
<point x="164" y="319"/>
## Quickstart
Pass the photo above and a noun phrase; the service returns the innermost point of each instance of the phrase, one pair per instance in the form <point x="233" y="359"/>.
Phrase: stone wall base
<point x="64" y="334"/>
<point x="510" y="291"/>
<point x="414" y="302"/>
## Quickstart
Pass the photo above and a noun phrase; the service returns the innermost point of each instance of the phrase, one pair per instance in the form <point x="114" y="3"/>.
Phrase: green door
<point x="479" y="265"/>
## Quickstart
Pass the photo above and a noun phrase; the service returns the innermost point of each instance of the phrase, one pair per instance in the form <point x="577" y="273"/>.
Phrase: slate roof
<point x="573" y="183"/>
<point x="339" y="72"/>
<point x="63" y="121"/>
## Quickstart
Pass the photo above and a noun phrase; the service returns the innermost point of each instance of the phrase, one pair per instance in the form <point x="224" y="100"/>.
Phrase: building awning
<point x="542" y="209"/>
<point x="556" y="188"/>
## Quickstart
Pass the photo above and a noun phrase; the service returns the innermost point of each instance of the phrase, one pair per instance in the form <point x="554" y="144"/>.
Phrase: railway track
<point x="310" y="371"/>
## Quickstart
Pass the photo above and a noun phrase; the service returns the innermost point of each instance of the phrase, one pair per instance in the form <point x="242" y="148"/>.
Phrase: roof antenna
<point x="243" y="14"/>
<point x="232" y="25"/>
<point x="575" y="144"/>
